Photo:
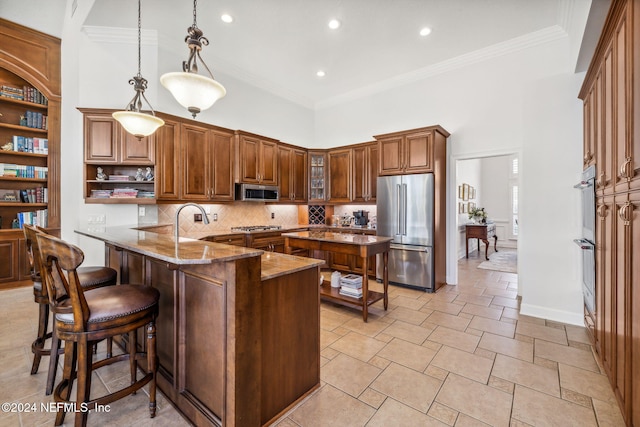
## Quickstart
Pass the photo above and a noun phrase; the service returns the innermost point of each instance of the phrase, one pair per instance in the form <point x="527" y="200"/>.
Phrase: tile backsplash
<point x="232" y="215"/>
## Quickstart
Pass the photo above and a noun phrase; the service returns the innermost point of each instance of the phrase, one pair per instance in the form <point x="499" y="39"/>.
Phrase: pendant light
<point x="193" y="91"/>
<point x="132" y="119"/>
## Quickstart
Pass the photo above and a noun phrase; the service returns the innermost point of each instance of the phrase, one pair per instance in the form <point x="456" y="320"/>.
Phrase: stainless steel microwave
<point x="257" y="193"/>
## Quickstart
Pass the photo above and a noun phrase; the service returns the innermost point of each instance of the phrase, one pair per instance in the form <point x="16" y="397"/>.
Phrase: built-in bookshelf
<point x="29" y="141"/>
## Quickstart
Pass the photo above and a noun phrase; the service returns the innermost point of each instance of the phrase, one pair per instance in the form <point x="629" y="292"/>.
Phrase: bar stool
<point x="93" y="316"/>
<point x="90" y="278"/>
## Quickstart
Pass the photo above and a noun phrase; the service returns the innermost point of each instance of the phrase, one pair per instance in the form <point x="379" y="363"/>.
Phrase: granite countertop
<point x="162" y="245"/>
<point x="328" y="236"/>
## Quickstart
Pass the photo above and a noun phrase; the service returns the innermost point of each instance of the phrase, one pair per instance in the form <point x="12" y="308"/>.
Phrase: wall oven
<point x="587" y="241"/>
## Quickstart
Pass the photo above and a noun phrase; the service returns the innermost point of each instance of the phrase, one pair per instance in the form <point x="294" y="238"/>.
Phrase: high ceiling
<point x="279" y="45"/>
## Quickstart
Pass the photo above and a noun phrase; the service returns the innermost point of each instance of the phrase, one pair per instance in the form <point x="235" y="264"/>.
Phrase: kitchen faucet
<point x="176" y="224"/>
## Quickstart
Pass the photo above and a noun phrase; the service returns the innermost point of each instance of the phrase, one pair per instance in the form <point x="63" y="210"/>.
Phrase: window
<point x="514" y="191"/>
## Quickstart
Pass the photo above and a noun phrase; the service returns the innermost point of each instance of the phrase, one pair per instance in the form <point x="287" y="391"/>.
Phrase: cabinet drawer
<point x="230" y="239"/>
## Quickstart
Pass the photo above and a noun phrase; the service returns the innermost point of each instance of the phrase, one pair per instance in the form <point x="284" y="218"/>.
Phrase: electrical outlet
<point x="215" y="216"/>
<point x="197" y="217"/>
<point x="273" y="215"/>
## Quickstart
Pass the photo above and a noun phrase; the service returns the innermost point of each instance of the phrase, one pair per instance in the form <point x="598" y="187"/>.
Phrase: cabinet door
<point x="340" y="188"/>
<point x="168" y="156"/>
<point x="633" y="254"/>
<point x="299" y="175"/>
<point x="317" y="176"/>
<point x="391" y="160"/>
<point x="195" y="162"/>
<point x="9" y="267"/>
<point x="101" y="138"/>
<point x="605" y="309"/>
<point x="360" y="171"/>
<point x="249" y="159"/>
<point x="624" y="164"/>
<point x="373" y="166"/>
<point x="418" y="152"/>
<point x="222" y="152"/>
<point x="604" y="149"/>
<point x="269" y="163"/>
<point x="138" y="151"/>
<point x="285" y="156"/>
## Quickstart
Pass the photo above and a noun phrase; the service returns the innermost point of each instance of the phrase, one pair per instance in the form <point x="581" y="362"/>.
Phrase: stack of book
<point x="146" y="194"/>
<point x="12" y="92"/>
<point x="351" y="285"/>
<point x="119" y="177"/>
<point x="101" y="194"/>
<point x="124" y="193"/>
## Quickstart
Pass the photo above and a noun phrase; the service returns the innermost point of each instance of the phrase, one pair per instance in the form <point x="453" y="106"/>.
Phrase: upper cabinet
<point x="257" y="159"/>
<point x="292" y="174"/>
<point x="317" y="176"/>
<point x="409" y="151"/>
<point x="106" y="141"/>
<point x="340" y="175"/>
<point x="365" y="172"/>
<point x="168" y="138"/>
<point x="207" y="163"/>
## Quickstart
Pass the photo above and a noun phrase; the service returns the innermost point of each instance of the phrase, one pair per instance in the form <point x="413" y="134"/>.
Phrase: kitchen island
<point x="360" y="245"/>
<point x="238" y="332"/>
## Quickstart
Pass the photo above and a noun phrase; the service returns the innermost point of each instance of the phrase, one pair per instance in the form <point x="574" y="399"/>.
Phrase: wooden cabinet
<point x="270" y="241"/>
<point x="107" y="142"/>
<point x="317" y="176"/>
<point x="33" y="89"/>
<point x="410" y="151"/>
<point x="168" y="139"/>
<point x="365" y="172"/>
<point x="340" y="173"/>
<point x="257" y="159"/>
<point x="117" y="153"/>
<point x="611" y="96"/>
<point x="207" y="159"/>
<point x="292" y="174"/>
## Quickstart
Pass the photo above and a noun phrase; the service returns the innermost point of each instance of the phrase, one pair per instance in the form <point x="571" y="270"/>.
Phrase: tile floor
<point x="463" y="356"/>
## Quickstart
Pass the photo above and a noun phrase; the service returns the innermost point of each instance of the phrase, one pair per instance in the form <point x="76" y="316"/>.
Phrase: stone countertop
<point x="275" y="264"/>
<point x="168" y="229"/>
<point x="162" y="246"/>
<point x="328" y="236"/>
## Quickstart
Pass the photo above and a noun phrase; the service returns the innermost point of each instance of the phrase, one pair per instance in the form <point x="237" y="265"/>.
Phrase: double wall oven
<point x="587" y="241"/>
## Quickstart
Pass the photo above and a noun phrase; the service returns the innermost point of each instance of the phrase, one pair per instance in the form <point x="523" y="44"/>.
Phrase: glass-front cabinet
<point x="317" y="176"/>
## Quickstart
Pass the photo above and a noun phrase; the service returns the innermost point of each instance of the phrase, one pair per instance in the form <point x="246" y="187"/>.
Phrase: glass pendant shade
<point x="138" y="124"/>
<point x="193" y="91"/>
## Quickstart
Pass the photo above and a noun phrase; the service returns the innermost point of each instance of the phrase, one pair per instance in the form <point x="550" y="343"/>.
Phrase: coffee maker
<point x="361" y="218"/>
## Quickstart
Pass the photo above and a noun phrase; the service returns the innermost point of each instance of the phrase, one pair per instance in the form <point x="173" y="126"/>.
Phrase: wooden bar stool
<point x="93" y="316"/>
<point x="90" y="278"/>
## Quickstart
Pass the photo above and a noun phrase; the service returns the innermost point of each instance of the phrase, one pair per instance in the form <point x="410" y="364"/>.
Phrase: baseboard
<point x="551" y="314"/>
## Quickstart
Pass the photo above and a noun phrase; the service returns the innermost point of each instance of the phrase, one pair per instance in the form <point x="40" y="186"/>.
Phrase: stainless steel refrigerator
<point x="405" y="212"/>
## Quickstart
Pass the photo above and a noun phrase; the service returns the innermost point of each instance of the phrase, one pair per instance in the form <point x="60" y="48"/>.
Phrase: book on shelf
<point x="23" y="171"/>
<point x="351" y="281"/>
<point x="124" y="193"/>
<point x="30" y="145"/>
<point x="35" y="119"/>
<point x="100" y="194"/>
<point x="119" y="178"/>
<point x="39" y="218"/>
<point x="350" y="292"/>
<point x="12" y="92"/>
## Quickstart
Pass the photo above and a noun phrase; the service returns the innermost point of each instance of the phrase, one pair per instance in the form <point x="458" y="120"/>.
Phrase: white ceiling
<point x="279" y="45"/>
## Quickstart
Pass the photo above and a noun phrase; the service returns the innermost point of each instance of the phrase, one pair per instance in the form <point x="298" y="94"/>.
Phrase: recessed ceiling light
<point x="334" y="24"/>
<point x="425" y="31"/>
<point x="320" y="73"/>
<point x="227" y="18"/>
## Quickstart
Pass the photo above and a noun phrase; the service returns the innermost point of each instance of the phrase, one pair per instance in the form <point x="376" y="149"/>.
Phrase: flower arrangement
<point x="478" y="215"/>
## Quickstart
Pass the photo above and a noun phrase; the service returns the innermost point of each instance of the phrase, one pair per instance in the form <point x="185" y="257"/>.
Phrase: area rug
<point x="505" y="260"/>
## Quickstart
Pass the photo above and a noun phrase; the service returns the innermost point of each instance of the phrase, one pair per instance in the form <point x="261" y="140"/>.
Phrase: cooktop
<point x="256" y="228"/>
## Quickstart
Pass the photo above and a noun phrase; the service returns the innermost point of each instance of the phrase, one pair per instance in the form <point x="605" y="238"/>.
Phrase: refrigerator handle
<point x="404" y="214"/>
<point x="400" y="210"/>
